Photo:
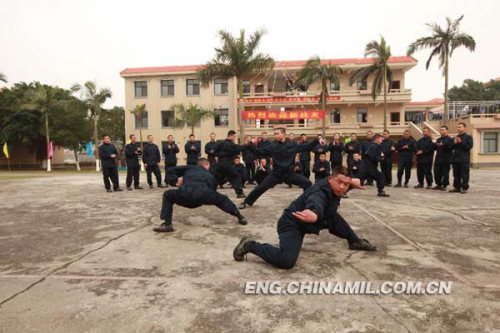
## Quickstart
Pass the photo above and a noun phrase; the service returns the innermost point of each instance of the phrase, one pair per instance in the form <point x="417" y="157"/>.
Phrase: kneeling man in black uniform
<point x="197" y="187"/>
<point x="314" y="210"/>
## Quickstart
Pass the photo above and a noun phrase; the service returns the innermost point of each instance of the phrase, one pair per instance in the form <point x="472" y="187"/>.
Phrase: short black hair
<point x="336" y="134"/>
<point x="369" y="132"/>
<point x="170" y="135"/>
<point x="281" y="129"/>
<point x="322" y="154"/>
<point x="231" y="132"/>
<point x="202" y="160"/>
<point x="149" y="135"/>
<point x="212" y="133"/>
<point x="263" y="158"/>
<point x="387" y="131"/>
<point x="237" y="157"/>
<point x="104" y="135"/>
<point x="263" y="133"/>
<point x="190" y="135"/>
<point x="376" y="136"/>
<point x="444" y="126"/>
<point x="463" y="124"/>
<point x="352" y="134"/>
<point x="131" y="135"/>
<point x="303" y="134"/>
<point x="407" y="131"/>
<point x="341" y="170"/>
<point x="426" y="128"/>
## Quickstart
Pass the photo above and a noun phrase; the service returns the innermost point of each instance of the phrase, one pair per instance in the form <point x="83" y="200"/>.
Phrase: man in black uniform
<point x="336" y="148"/>
<point x="291" y="137"/>
<point x="170" y="151"/>
<point x="364" y="148"/>
<point x="263" y="170"/>
<point x="108" y="155"/>
<point x="132" y="153"/>
<point x="388" y="150"/>
<point x="210" y="148"/>
<point x="283" y="154"/>
<point x="305" y="157"/>
<point x="151" y="157"/>
<point x="197" y="187"/>
<point x="369" y="165"/>
<point x="226" y="151"/>
<point x="193" y="150"/>
<point x="461" y="160"/>
<point x="321" y="168"/>
<point x="264" y="142"/>
<point x="444" y="151"/>
<point x="352" y="147"/>
<point x="313" y="211"/>
<point x="355" y="165"/>
<point x="425" y="155"/>
<point x="249" y="160"/>
<point x="319" y="148"/>
<point x="406" y="147"/>
<point x="240" y="170"/>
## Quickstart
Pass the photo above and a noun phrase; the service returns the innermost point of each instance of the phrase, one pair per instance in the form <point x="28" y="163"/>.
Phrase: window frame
<point x="193" y="89"/>
<point x="168" y="88"/>
<point x="142" y="89"/>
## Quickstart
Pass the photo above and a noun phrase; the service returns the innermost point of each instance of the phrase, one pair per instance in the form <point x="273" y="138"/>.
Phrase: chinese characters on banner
<point x="287" y="99"/>
<point x="299" y="114"/>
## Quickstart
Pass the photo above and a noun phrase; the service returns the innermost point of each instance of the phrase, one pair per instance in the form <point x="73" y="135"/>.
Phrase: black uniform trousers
<point x="335" y="164"/>
<point x="404" y="166"/>
<point x="250" y="169"/>
<point x="273" y="179"/>
<point x="305" y="166"/>
<point x="386" y="168"/>
<point x="156" y="170"/>
<point x="133" y="173"/>
<point x="193" y="197"/>
<point x="442" y="174"/>
<point x="424" y="170"/>
<point x="110" y="173"/>
<point x="228" y="172"/>
<point x="367" y="170"/>
<point x="168" y="166"/>
<point x="461" y="173"/>
<point x="213" y="165"/>
<point x="291" y="235"/>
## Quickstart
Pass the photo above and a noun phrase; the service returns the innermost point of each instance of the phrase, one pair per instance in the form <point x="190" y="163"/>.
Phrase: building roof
<point x="287" y="63"/>
<point x="435" y="101"/>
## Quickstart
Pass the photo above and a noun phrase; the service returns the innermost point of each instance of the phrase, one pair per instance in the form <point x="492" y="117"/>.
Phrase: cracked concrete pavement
<point x="74" y="258"/>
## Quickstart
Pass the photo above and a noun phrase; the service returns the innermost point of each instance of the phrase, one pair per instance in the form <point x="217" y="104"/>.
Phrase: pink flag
<point x="51" y="151"/>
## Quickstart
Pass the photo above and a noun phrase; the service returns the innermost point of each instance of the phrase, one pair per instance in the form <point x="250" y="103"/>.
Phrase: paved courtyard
<point x="74" y="258"/>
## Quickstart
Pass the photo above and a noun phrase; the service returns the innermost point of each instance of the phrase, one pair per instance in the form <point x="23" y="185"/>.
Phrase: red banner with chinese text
<point x="299" y="114"/>
<point x="287" y="99"/>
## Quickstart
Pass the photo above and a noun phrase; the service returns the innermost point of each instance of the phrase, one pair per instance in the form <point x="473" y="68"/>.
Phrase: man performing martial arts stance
<point x="197" y="187"/>
<point x="283" y="153"/>
<point x="314" y="210"/>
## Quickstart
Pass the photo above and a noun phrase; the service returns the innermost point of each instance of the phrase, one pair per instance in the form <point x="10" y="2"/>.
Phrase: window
<point x="395" y="117"/>
<point x="335" y="116"/>
<point x="222" y="117"/>
<point x="334" y="86"/>
<point x="192" y="87"/>
<point x="361" y="85"/>
<point x="246" y="87"/>
<point x="395" y="85"/>
<point x="220" y="86"/>
<point x="167" y="88"/>
<point x="143" y="122"/>
<point x="362" y="115"/>
<point x="141" y="88"/>
<point x="490" y="142"/>
<point x="167" y="118"/>
<point x="259" y="88"/>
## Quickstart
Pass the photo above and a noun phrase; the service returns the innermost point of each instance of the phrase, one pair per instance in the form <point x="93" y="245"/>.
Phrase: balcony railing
<point x="336" y="127"/>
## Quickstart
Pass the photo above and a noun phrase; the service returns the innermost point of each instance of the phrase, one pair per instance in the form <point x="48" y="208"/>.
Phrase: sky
<point x="64" y="42"/>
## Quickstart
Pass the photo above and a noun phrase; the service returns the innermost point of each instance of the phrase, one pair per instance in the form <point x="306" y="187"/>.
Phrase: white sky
<point x="62" y="42"/>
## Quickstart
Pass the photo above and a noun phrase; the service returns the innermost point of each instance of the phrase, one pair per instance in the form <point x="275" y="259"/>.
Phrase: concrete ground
<point x="74" y="258"/>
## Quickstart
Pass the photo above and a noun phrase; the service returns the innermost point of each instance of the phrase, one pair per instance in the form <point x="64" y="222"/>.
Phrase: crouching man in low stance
<point x="314" y="210"/>
<point x="197" y="187"/>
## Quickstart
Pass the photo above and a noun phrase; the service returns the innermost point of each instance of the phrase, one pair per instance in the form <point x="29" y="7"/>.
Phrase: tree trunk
<point x="240" y="111"/>
<point x="47" y="135"/>
<point x="96" y="139"/>
<point x="323" y="121"/>
<point x="385" y="98"/>
<point x="75" y="151"/>
<point x="446" y="115"/>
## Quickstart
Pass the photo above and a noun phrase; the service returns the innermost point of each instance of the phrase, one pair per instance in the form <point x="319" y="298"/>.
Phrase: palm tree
<point x="43" y="99"/>
<point x="94" y="100"/>
<point x="138" y="111"/>
<point x="236" y="58"/>
<point x="3" y="77"/>
<point x="191" y="115"/>
<point x="315" y="70"/>
<point x="443" y="42"/>
<point x="381" y="52"/>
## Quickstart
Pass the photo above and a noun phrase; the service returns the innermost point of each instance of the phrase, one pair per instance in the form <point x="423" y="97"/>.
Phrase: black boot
<point x="242" y="248"/>
<point x="397" y="185"/>
<point x="242" y="220"/>
<point x="383" y="194"/>
<point x="362" y="245"/>
<point x="243" y="205"/>
<point x="241" y="195"/>
<point x="164" y="228"/>
<point x="138" y="187"/>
